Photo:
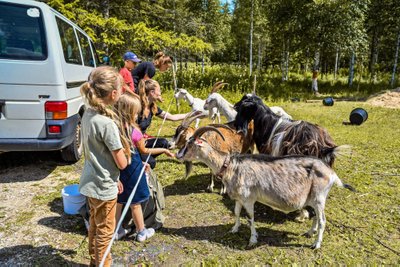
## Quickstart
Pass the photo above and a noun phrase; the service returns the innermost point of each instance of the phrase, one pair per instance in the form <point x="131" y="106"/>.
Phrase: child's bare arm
<point x="119" y="158"/>
<point x="154" y="151"/>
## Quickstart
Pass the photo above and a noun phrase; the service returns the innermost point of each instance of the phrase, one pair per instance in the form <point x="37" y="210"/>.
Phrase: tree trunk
<point x="351" y="68"/>
<point x="314" y="83"/>
<point x="395" y="60"/>
<point x="374" y="56"/>
<point x="307" y="56"/>
<point x="251" y="38"/>
<point x="106" y="14"/>
<point x="336" y="63"/>
<point x="287" y="61"/>
<point x="283" y="62"/>
<point x="259" y="56"/>
<point x="186" y="61"/>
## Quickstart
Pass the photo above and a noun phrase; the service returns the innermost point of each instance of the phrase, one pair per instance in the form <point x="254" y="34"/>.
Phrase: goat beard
<point x="241" y="124"/>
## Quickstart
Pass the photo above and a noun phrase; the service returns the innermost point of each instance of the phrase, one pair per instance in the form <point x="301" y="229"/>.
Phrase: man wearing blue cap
<point x="130" y="61"/>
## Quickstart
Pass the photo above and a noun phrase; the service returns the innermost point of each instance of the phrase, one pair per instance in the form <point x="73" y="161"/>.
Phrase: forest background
<point x="352" y="46"/>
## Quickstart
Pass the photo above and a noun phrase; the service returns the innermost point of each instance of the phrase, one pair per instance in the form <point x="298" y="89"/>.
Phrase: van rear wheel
<point x="73" y="152"/>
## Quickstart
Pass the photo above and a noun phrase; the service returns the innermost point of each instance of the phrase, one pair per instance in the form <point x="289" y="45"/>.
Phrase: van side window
<point x="86" y="52"/>
<point x="96" y="56"/>
<point x="22" y="34"/>
<point x="69" y="42"/>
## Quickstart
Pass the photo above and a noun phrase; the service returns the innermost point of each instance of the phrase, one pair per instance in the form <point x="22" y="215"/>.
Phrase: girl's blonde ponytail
<point x="102" y="81"/>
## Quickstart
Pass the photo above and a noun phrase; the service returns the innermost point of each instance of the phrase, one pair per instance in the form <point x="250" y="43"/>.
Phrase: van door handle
<point x="2" y="103"/>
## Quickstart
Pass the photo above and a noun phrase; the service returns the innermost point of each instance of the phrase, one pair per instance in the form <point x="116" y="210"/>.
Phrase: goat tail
<point x="339" y="183"/>
<point x="343" y="150"/>
<point x="330" y="153"/>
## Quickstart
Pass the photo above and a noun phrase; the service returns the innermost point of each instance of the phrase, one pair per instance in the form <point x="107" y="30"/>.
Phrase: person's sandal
<point x="145" y="234"/>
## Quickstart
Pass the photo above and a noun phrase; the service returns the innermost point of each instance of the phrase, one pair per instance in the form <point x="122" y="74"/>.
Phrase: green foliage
<point x="113" y="36"/>
<point x="269" y="83"/>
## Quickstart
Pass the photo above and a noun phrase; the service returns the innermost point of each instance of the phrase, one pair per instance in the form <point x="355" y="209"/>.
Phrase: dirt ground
<point x="388" y="99"/>
<point x="28" y="229"/>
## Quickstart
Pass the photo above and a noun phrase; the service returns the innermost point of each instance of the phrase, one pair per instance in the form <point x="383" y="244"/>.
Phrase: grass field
<point x="362" y="228"/>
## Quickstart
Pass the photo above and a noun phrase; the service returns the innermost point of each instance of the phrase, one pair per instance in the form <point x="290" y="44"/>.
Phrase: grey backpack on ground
<point x="152" y="208"/>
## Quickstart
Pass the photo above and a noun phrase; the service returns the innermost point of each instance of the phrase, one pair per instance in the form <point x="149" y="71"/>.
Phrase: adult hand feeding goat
<point x="283" y="183"/>
<point x="197" y="104"/>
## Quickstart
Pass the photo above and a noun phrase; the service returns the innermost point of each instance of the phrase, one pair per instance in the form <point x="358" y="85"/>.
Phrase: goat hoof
<point x="308" y="234"/>
<point x="316" y="245"/>
<point x="210" y="189"/>
<point x="253" y="241"/>
<point x="302" y="217"/>
<point x="235" y="229"/>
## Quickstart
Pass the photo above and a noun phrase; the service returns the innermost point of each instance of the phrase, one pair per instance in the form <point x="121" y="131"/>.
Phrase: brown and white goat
<point x="283" y="183"/>
<point x="235" y="142"/>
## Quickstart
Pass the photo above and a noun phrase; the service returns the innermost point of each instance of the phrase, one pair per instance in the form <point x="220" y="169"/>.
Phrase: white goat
<point x="215" y="100"/>
<point x="197" y="104"/>
<point x="283" y="183"/>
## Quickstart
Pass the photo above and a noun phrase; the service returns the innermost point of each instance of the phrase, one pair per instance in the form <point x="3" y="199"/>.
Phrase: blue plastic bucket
<point x="358" y="116"/>
<point x="72" y="199"/>
<point x="328" y="101"/>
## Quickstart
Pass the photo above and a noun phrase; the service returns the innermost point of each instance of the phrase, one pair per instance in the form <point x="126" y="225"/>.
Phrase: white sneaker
<point x="122" y="232"/>
<point x="145" y="234"/>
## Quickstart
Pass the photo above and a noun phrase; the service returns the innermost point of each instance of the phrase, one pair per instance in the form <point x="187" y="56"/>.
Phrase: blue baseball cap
<point x="131" y="56"/>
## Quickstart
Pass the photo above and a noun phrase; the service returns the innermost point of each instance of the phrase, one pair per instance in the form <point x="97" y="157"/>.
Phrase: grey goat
<point x="284" y="183"/>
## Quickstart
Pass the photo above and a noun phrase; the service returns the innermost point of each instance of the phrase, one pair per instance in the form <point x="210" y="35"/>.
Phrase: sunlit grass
<point x="362" y="227"/>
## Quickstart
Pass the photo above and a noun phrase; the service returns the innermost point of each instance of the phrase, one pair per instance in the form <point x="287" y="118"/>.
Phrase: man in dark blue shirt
<point x="147" y="70"/>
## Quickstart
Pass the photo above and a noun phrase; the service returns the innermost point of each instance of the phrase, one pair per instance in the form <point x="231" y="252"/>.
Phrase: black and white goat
<point x="278" y="137"/>
<point x="283" y="183"/>
<point x="215" y="100"/>
<point x="197" y="104"/>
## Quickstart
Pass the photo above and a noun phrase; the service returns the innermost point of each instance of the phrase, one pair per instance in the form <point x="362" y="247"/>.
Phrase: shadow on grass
<point x="262" y="213"/>
<point x="192" y="184"/>
<point x="27" y="255"/>
<point x="63" y="223"/>
<point x="221" y="234"/>
<point x="42" y="163"/>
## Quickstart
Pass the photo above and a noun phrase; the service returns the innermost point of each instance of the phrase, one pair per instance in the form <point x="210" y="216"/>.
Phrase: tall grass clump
<point x="269" y="82"/>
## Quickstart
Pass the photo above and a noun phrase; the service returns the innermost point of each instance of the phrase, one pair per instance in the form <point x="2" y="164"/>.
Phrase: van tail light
<point x="56" y="110"/>
<point x="54" y="129"/>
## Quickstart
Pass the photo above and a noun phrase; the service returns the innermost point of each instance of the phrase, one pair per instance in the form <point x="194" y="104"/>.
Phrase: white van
<point x="44" y="59"/>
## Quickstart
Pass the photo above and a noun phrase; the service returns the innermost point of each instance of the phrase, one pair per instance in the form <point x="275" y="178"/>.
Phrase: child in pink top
<point x="128" y="107"/>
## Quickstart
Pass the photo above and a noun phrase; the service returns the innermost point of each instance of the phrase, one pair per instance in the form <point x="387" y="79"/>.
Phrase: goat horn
<point x="199" y="132"/>
<point x="190" y="117"/>
<point x="216" y="125"/>
<point x="217" y="86"/>
<point x="197" y="114"/>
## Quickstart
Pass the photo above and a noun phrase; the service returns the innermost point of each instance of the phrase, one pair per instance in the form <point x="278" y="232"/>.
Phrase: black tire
<point x="73" y="152"/>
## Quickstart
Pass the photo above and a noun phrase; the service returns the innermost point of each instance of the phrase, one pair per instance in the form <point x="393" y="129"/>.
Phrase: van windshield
<point x="22" y="32"/>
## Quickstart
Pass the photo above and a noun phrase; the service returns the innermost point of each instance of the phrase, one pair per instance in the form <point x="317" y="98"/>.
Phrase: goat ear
<point x="199" y="142"/>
